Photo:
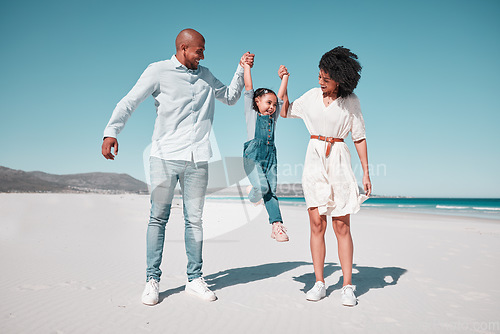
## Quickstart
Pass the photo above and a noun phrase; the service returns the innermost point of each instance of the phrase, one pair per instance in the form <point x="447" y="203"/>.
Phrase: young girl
<point x="330" y="112"/>
<point x="259" y="152"/>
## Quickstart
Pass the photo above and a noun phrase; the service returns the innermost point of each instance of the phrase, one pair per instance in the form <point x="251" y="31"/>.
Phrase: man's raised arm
<point x="230" y="94"/>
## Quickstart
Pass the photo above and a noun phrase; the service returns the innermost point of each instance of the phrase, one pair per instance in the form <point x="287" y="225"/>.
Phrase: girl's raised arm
<point x="247" y="76"/>
<point x="283" y="92"/>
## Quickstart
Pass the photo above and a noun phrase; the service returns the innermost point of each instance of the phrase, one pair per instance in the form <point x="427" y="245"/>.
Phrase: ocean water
<point x="466" y="207"/>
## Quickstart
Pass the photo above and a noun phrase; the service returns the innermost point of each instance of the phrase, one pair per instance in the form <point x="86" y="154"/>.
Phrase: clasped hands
<point x="248" y="59"/>
<point x="282" y="71"/>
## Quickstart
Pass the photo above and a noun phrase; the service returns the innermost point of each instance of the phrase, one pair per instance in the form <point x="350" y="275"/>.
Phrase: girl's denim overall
<point x="259" y="156"/>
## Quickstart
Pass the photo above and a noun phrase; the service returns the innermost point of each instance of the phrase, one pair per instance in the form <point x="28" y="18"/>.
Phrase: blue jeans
<point x="193" y="179"/>
<point x="261" y="168"/>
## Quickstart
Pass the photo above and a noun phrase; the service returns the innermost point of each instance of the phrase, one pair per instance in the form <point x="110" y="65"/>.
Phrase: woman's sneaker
<point x="279" y="232"/>
<point x="151" y="293"/>
<point x="317" y="292"/>
<point x="198" y="287"/>
<point x="347" y="295"/>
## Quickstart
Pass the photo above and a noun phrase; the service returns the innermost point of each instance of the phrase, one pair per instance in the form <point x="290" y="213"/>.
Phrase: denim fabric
<point x="193" y="179"/>
<point x="261" y="166"/>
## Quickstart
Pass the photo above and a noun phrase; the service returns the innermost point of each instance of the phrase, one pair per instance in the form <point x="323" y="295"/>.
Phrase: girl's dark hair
<point x="260" y="92"/>
<point x="343" y="67"/>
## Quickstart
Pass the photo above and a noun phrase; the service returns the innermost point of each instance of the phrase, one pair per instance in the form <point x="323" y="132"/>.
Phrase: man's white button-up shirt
<point x="185" y="103"/>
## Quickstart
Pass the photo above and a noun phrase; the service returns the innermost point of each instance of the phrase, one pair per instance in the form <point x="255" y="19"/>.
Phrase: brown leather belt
<point x="329" y="140"/>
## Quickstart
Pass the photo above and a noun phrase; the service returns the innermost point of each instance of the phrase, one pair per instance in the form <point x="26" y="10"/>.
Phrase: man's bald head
<point x="190" y="46"/>
<point x="188" y="37"/>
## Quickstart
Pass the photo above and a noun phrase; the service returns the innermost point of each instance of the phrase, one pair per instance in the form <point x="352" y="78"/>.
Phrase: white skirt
<point x="329" y="183"/>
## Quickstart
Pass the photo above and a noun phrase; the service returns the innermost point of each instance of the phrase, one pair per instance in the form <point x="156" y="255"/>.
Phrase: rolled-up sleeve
<point x="146" y="85"/>
<point x="229" y="94"/>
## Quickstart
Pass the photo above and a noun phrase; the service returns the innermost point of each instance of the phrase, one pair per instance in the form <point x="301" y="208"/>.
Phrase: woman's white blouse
<point x="329" y="182"/>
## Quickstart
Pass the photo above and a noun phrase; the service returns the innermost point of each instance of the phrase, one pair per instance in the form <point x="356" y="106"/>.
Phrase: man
<point x="184" y="94"/>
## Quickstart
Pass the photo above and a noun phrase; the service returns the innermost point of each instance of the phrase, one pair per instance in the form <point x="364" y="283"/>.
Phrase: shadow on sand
<point x="243" y="275"/>
<point x="365" y="279"/>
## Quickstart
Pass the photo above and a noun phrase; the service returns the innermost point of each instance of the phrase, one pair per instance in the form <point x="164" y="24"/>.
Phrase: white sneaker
<point x="347" y="295"/>
<point x="317" y="292"/>
<point x="198" y="287"/>
<point x="151" y="293"/>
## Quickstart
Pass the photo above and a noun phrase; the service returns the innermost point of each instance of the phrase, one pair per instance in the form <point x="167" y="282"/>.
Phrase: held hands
<point x="107" y="144"/>
<point x="282" y="71"/>
<point x="247" y="59"/>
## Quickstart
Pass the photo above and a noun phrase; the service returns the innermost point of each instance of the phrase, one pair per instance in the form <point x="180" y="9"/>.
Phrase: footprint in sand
<point x="76" y="284"/>
<point x="475" y="296"/>
<point x="33" y="287"/>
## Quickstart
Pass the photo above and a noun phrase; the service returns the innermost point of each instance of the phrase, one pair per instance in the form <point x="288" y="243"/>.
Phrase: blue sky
<point x="428" y="89"/>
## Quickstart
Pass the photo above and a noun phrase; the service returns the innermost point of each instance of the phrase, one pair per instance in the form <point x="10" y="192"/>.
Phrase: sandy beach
<point x="75" y="263"/>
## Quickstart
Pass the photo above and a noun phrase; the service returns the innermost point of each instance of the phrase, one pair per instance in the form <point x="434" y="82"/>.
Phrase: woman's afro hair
<point x="343" y="67"/>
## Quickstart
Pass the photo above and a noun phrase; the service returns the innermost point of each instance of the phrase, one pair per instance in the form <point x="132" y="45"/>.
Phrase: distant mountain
<point x="282" y="190"/>
<point x="12" y="180"/>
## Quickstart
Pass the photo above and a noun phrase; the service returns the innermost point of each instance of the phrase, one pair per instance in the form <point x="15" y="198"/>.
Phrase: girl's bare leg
<point x="342" y="228"/>
<point x="318" y="249"/>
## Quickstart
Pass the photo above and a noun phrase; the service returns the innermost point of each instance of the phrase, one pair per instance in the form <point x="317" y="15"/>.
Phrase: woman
<point x="330" y="112"/>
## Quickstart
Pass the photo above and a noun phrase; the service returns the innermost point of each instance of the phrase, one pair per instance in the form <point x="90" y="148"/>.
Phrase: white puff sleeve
<point x="296" y="108"/>
<point x="358" y="124"/>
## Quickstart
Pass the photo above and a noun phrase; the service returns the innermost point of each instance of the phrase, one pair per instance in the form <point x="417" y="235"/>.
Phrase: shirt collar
<point x="177" y="63"/>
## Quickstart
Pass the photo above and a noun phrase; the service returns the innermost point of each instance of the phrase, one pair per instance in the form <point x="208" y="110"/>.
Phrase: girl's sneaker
<point x="279" y="232"/>
<point x="317" y="292"/>
<point x="347" y="295"/>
